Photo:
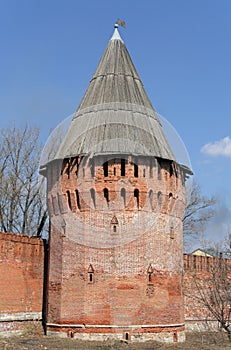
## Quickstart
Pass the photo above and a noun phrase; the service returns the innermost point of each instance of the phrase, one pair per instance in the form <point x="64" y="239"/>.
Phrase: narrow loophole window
<point x="90" y="274"/>
<point x="114" y="228"/>
<point x="150" y="273"/>
<point x="90" y="277"/>
<point x="175" y="337"/>
<point x="106" y="194"/>
<point x="122" y="167"/>
<point x="72" y="334"/>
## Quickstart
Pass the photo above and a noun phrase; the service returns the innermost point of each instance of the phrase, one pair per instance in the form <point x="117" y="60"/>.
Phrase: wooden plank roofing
<point x="115" y="115"/>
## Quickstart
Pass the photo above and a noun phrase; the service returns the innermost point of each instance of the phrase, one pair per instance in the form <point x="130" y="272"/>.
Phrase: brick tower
<point x="116" y="197"/>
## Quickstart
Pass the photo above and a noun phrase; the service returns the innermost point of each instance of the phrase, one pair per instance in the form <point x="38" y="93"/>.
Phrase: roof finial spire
<point x="116" y="35"/>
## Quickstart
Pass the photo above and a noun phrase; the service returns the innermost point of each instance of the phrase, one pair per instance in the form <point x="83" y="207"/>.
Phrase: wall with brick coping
<point x="21" y="279"/>
<point x="198" y="269"/>
<point x="21" y="282"/>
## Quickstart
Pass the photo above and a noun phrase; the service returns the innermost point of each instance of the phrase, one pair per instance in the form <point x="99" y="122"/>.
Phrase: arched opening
<point x="69" y="200"/>
<point x="159" y="168"/>
<point x="136" y="170"/>
<point x="151" y="198"/>
<point x="68" y="168"/>
<point x="151" y="168"/>
<point x="159" y="198"/>
<point x="53" y="204"/>
<point x="123" y="195"/>
<point x="136" y="195"/>
<point x="171" y="170"/>
<point x="92" y="165"/>
<point x="92" y="192"/>
<point x="77" y="199"/>
<point x="60" y="203"/>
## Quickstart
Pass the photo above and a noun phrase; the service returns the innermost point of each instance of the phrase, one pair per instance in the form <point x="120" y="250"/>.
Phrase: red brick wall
<point x="21" y="274"/>
<point x="120" y="292"/>
<point x="82" y="238"/>
<point x="198" y="271"/>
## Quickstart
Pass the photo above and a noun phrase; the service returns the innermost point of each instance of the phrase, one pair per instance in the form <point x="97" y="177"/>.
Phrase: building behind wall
<point x="116" y="197"/>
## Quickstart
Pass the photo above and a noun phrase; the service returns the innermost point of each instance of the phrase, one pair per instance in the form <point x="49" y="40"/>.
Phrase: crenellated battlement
<point x="16" y="246"/>
<point x="202" y="263"/>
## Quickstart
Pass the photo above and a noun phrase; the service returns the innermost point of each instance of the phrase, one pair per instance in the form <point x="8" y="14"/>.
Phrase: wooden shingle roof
<point x="115" y="115"/>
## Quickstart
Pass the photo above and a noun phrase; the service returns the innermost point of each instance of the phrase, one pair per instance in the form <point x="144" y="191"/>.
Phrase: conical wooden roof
<point x="115" y="115"/>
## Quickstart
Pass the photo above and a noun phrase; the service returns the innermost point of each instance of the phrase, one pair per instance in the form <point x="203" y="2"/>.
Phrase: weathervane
<point x="119" y="22"/>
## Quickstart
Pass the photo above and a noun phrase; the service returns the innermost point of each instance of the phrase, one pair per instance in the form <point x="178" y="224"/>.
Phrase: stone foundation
<point x="135" y="333"/>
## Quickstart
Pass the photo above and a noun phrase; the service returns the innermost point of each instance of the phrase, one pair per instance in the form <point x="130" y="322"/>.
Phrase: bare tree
<point x="22" y="206"/>
<point x="199" y="210"/>
<point x="211" y="290"/>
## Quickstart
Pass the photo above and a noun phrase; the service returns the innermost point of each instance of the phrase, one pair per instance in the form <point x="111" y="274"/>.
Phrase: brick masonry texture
<point x="21" y="277"/>
<point x="116" y="243"/>
<point x="132" y="289"/>
<point x="200" y="270"/>
<point x="21" y="271"/>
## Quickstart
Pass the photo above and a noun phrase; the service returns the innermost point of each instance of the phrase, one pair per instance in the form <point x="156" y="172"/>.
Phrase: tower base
<point x="134" y="333"/>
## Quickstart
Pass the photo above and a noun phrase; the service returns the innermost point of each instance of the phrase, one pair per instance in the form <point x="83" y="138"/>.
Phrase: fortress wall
<point x="21" y="280"/>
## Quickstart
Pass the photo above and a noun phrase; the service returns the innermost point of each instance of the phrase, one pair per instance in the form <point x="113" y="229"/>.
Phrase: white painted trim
<point x="115" y="326"/>
<point x="21" y="316"/>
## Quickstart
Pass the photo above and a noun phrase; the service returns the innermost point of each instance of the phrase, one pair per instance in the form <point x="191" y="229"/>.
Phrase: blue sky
<point x="181" y="49"/>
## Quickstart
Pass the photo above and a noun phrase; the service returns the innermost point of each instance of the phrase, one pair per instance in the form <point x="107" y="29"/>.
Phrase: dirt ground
<point x="194" y="341"/>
